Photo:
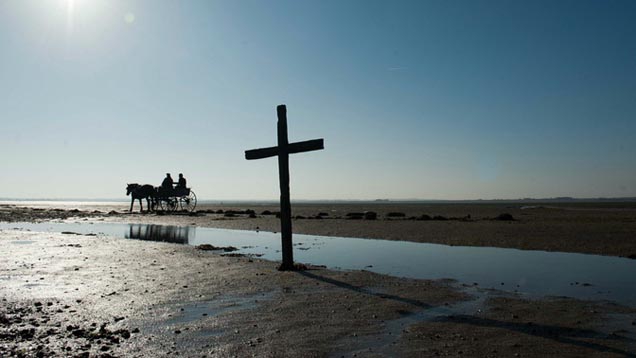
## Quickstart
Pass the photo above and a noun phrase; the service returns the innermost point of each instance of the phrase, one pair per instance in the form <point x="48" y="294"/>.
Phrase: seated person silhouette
<point x="166" y="185"/>
<point x="181" y="184"/>
<point x="180" y="189"/>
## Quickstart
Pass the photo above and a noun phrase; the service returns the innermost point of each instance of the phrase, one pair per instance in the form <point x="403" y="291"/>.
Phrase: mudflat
<point x="78" y="295"/>
<point x="602" y="228"/>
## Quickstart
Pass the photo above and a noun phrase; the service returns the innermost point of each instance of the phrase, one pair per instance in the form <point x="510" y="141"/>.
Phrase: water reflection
<point x="531" y="272"/>
<point x="173" y="234"/>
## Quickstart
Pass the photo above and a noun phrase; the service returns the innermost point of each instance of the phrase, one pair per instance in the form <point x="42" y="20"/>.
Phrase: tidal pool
<point x="533" y="273"/>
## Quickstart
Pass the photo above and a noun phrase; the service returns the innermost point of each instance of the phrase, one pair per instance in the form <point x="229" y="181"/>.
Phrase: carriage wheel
<point x="188" y="202"/>
<point x="168" y="204"/>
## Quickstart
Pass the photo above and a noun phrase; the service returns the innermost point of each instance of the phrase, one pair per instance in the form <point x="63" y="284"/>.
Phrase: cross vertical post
<point x="283" y="150"/>
<point x="285" y="202"/>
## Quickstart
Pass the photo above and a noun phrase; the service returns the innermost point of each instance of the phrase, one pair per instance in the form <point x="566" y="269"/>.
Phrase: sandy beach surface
<point x="84" y="295"/>
<point x="594" y="228"/>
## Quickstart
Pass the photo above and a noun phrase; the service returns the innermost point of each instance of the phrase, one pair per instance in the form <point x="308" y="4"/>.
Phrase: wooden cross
<point x="283" y="150"/>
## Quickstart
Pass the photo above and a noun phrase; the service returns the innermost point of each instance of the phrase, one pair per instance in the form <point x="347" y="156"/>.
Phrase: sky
<point x="414" y="99"/>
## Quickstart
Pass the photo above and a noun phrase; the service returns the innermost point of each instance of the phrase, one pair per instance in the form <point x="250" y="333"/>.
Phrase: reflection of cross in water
<point x="283" y="150"/>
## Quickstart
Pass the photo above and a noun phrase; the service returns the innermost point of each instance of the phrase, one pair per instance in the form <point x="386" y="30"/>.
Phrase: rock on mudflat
<point x="505" y="217"/>
<point x="355" y="216"/>
<point x="208" y="247"/>
<point x="370" y="215"/>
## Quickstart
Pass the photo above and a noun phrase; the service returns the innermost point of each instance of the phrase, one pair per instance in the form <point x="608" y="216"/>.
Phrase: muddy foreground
<point x="74" y="295"/>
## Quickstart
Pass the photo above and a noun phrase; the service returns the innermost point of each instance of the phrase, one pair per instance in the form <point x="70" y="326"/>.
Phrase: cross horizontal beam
<point x="291" y="148"/>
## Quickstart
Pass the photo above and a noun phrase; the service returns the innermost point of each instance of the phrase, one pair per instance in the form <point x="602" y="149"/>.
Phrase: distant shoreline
<point x="339" y="201"/>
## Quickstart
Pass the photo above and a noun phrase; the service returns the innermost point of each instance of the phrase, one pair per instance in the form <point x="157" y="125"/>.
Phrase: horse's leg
<point x="141" y="205"/>
<point x="132" y="201"/>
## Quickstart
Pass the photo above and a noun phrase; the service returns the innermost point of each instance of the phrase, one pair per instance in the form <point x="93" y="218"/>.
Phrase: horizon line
<point x="388" y="200"/>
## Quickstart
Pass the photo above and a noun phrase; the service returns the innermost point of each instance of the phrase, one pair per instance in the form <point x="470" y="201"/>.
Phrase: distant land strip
<point x="564" y="199"/>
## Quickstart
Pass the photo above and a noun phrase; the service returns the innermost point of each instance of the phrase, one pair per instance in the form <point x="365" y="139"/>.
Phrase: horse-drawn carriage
<point x="162" y="199"/>
<point x="177" y="199"/>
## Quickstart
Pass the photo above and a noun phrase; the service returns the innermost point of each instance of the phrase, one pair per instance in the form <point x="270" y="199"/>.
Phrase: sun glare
<point x="85" y="15"/>
<point x="70" y="10"/>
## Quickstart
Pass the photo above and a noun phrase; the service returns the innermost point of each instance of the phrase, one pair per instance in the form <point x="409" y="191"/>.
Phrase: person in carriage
<point x="181" y="189"/>
<point x="166" y="186"/>
<point x="181" y="184"/>
<point x="169" y="199"/>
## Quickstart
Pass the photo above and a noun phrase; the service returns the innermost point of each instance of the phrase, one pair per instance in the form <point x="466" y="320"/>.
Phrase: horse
<point x="145" y="191"/>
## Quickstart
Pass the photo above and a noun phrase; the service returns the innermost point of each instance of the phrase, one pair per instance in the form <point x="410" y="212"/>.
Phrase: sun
<point x="70" y="10"/>
<point x="70" y="5"/>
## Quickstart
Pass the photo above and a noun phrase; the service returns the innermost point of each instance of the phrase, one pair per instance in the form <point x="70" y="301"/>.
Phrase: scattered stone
<point x="355" y="216"/>
<point x="295" y="267"/>
<point x="79" y="333"/>
<point x="504" y="217"/>
<point x="423" y="217"/>
<point x="208" y="247"/>
<point x="395" y="215"/>
<point x="370" y="215"/>
<point x="233" y="255"/>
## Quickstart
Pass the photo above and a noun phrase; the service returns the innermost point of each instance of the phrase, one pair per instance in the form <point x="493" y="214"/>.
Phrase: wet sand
<point x="593" y="228"/>
<point x="75" y="295"/>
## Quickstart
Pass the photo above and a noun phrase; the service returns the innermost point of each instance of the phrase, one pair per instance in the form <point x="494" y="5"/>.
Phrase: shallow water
<point x="194" y="311"/>
<point x="535" y="273"/>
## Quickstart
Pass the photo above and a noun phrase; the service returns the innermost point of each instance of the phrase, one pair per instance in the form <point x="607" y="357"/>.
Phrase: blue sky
<point x="415" y="99"/>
